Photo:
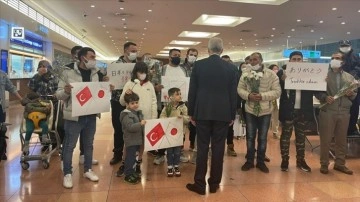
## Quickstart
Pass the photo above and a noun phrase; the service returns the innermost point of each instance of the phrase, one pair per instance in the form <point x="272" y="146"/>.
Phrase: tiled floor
<point x="39" y="184"/>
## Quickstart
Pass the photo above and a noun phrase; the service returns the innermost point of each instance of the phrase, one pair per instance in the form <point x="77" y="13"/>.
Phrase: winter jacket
<point x="180" y="110"/>
<point x="133" y="131"/>
<point x="35" y="105"/>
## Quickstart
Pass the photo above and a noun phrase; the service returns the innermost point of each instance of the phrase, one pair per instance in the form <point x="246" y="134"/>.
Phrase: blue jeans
<point x="86" y="126"/>
<point x="173" y="156"/>
<point x="130" y="159"/>
<point x="261" y="126"/>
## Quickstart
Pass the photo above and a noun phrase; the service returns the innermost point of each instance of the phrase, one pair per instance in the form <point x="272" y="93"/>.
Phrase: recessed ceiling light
<point x="334" y="9"/>
<point x="359" y="11"/>
<point x="145" y="28"/>
<point x="125" y="33"/>
<point x="321" y="21"/>
<point x="293" y="30"/>
<point x="271" y="41"/>
<point x="257" y="44"/>
<point x="110" y="36"/>
<point x="273" y="28"/>
<point x="107" y="32"/>
<point x="256" y="40"/>
<point x="298" y="20"/>
<point x="112" y="40"/>
<point x="142" y="38"/>
<point x="300" y="42"/>
<point x="146" y="20"/>
<point x="348" y="32"/>
<point x="185" y="43"/>
<point x="241" y="39"/>
<point x="121" y="8"/>
<point x="126" y="37"/>
<point x="245" y="47"/>
<point x="123" y="19"/>
<point x="268" y="2"/>
<point x="99" y="17"/>
<point x="255" y="34"/>
<point x="289" y="36"/>
<point x="164" y="51"/>
<point x="272" y="35"/>
<point x="343" y="23"/>
<point x="103" y="25"/>
<point x="149" y="10"/>
<point x="143" y="34"/>
<point x="92" y="6"/>
<point x="243" y="43"/>
<point x="321" y="38"/>
<point x="175" y="47"/>
<point x="220" y="20"/>
<point x="312" y="30"/>
<point x="197" y="34"/>
<point x="125" y="27"/>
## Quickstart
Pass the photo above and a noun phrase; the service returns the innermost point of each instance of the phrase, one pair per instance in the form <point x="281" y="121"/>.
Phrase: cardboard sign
<point x="175" y="82"/>
<point x="120" y="73"/>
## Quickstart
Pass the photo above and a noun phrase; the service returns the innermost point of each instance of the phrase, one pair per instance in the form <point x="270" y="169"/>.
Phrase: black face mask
<point x="175" y="60"/>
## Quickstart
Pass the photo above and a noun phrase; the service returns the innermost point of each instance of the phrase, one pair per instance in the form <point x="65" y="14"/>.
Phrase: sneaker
<point x="121" y="170"/>
<point x="116" y="159"/>
<point x="284" y="165"/>
<point x="26" y="149"/>
<point x="67" y="182"/>
<point x="137" y="167"/>
<point x="153" y="153"/>
<point x="324" y="169"/>
<point x="158" y="160"/>
<point x="82" y="160"/>
<point x="247" y="166"/>
<point x="170" y="172"/>
<point x="131" y="179"/>
<point x="192" y="147"/>
<point x="343" y="169"/>
<point x="276" y="136"/>
<point x="177" y="171"/>
<point x="262" y="167"/>
<point x="45" y="139"/>
<point x="302" y="165"/>
<point x="230" y="150"/>
<point x="183" y="158"/>
<point x="91" y="176"/>
<point x="266" y="159"/>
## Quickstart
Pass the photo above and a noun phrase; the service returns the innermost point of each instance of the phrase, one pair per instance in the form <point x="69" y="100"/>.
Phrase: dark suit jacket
<point x="212" y="92"/>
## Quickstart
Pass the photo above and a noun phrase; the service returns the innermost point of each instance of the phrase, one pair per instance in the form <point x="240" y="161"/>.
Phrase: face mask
<point x="175" y="60"/>
<point x="142" y="77"/>
<point x="335" y="64"/>
<point x="90" y="64"/>
<point x="191" y="59"/>
<point x="345" y="49"/>
<point x="132" y="56"/>
<point x="147" y="61"/>
<point x="256" y="67"/>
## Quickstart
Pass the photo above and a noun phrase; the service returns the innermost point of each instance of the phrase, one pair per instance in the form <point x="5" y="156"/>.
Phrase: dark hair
<point x="283" y="67"/>
<point x="225" y="56"/>
<point x="259" y="54"/>
<point x="131" y="97"/>
<point x="142" y="68"/>
<point x="172" y="91"/>
<point x="43" y="63"/>
<point x="32" y="96"/>
<point x="83" y="52"/>
<point x="172" y="50"/>
<point x="74" y="49"/>
<point x="191" y="49"/>
<point x="295" y="53"/>
<point x="247" y="58"/>
<point x="128" y="44"/>
<point x="342" y="55"/>
<point x="272" y="66"/>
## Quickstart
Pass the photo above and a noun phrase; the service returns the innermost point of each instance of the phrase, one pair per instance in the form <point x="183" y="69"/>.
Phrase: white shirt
<point x="174" y="71"/>
<point x="297" y="99"/>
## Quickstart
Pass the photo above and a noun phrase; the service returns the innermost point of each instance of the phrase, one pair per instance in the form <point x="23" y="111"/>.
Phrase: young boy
<point x="132" y="125"/>
<point x="35" y="114"/>
<point x="335" y="115"/>
<point x="178" y="109"/>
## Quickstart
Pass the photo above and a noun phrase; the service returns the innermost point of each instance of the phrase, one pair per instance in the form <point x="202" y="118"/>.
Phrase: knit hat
<point x="344" y="43"/>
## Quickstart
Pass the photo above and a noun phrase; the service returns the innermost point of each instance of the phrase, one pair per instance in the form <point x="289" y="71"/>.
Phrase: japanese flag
<point x="90" y="98"/>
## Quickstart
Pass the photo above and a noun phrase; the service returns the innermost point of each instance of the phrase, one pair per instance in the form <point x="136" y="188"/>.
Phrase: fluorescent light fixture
<point x="192" y="34"/>
<point x="164" y="52"/>
<point x="185" y="43"/>
<point x="268" y="2"/>
<point x="220" y="20"/>
<point x="175" y="47"/>
<point x="162" y="55"/>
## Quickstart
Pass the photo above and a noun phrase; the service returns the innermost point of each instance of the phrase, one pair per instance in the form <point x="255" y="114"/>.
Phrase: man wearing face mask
<point x="335" y="115"/>
<point x="84" y="71"/>
<point x="130" y="55"/>
<point x="258" y="123"/>
<point x="352" y="66"/>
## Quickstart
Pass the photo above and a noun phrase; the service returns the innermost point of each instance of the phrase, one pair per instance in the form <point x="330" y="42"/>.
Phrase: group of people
<point x="251" y="89"/>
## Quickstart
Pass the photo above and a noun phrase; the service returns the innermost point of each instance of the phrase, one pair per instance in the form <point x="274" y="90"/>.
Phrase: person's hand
<point x="255" y="97"/>
<point x="327" y="79"/>
<point x="283" y="77"/>
<point x="106" y="78"/>
<point x="231" y="123"/>
<point x="349" y="93"/>
<point x="143" y="122"/>
<point x="158" y="87"/>
<point x="67" y="88"/>
<point x="112" y="87"/>
<point x="180" y="116"/>
<point x="192" y="121"/>
<point x="330" y="99"/>
<point x="128" y="91"/>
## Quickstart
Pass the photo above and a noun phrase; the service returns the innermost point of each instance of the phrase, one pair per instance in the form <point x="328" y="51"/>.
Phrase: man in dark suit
<point x="212" y="107"/>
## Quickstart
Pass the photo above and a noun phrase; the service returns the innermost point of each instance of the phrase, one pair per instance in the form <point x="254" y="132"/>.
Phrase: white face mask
<point x="90" y="64"/>
<point x="335" y="64"/>
<point x="256" y="67"/>
<point x="345" y="49"/>
<point x="191" y="59"/>
<point x="142" y="77"/>
<point x="132" y="56"/>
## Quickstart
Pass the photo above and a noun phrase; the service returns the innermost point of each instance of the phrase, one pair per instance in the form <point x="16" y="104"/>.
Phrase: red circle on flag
<point x="101" y="93"/>
<point x="173" y="131"/>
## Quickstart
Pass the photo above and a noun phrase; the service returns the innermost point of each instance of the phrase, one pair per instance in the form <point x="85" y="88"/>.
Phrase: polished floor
<point x="39" y="184"/>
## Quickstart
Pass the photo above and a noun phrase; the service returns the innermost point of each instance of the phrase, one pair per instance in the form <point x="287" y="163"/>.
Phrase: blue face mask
<point x="175" y="60"/>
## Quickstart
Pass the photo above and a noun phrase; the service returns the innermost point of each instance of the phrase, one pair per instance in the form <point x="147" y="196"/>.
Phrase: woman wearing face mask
<point x="140" y="85"/>
<point x="275" y="112"/>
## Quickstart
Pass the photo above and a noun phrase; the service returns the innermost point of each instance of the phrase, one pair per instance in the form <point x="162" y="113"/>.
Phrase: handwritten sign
<point x="120" y="73"/>
<point x="306" y="76"/>
<point x="175" y="82"/>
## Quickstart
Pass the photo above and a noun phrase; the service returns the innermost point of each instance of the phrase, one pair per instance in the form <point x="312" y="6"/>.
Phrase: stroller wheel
<point x="25" y="165"/>
<point x="45" y="164"/>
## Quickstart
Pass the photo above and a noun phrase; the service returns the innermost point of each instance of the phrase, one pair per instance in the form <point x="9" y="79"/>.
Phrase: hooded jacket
<point x="133" y="131"/>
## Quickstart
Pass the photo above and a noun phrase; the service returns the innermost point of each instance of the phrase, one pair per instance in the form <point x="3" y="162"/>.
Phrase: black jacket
<point x="212" y="91"/>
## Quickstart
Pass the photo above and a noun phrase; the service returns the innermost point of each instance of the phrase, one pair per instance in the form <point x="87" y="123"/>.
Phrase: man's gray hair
<point x="215" y="45"/>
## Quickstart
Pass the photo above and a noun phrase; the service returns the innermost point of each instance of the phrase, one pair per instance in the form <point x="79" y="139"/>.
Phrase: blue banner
<point x="306" y="53"/>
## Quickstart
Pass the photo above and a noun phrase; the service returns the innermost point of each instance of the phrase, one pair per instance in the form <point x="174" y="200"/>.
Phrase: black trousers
<point x="216" y="133"/>
<point x="192" y="133"/>
<point x="116" y="109"/>
<point x="3" y="143"/>
<point x="354" y="113"/>
<point x="230" y="135"/>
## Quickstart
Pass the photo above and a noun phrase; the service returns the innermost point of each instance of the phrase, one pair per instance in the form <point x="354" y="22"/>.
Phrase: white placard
<point x="120" y="73"/>
<point x="306" y="76"/>
<point x="163" y="133"/>
<point x="17" y="33"/>
<point x="175" y="82"/>
<point x="90" y="98"/>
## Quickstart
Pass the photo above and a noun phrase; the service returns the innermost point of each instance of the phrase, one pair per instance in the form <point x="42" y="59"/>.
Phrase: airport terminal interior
<point x="35" y="30"/>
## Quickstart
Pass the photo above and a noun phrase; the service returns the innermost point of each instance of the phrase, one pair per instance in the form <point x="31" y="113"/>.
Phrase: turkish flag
<point x="155" y="134"/>
<point x="84" y="95"/>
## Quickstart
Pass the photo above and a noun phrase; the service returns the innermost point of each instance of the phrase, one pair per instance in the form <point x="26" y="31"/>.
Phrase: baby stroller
<point x="34" y="142"/>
